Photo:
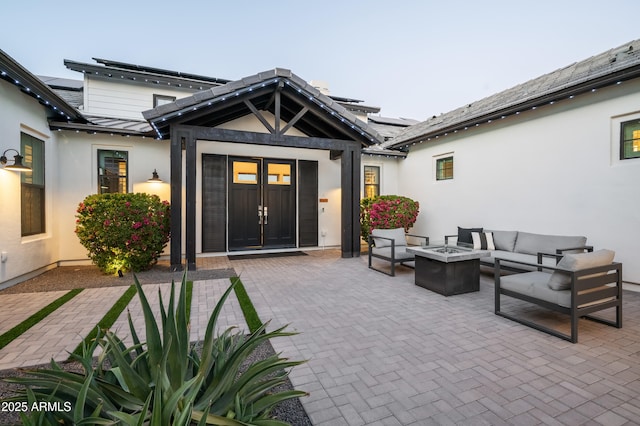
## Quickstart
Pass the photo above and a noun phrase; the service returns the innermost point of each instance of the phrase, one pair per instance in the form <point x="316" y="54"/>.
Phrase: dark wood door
<point x="279" y="206"/>
<point x="245" y="210"/>
<point x="262" y="203"/>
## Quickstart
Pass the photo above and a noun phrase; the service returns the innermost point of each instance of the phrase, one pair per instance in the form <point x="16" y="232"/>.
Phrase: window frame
<point x="37" y="165"/>
<point x="623" y="141"/>
<point x="119" y="176"/>
<point x="441" y="159"/>
<point x="376" y="184"/>
<point x="159" y="100"/>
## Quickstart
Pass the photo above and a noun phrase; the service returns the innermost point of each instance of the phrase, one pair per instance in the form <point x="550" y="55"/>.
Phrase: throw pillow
<point x="561" y="280"/>
<point x="483" y="241"/>
<point x="464" y="234"/>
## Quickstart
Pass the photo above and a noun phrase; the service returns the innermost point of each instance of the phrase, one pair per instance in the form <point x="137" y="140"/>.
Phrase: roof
<point x="323" y="117"/>
<point x="390" y="127"/>
<point x="16" y="74"/>
<point x="70" y="90"/>
<point x="144" y="75"/>
<point x="113" y="126"/>
<point x="609" y="68"/>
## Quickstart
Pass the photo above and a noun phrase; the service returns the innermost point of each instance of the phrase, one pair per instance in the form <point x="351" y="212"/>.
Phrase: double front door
<point x="262" y="203"/>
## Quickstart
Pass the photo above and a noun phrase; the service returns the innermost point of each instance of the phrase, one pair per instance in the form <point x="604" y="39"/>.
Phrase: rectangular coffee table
<point x="448" y="270"/>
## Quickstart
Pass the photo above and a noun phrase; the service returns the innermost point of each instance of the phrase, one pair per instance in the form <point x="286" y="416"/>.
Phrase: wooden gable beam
<point x="257" y="113"/>
<point x="294" y="120"/>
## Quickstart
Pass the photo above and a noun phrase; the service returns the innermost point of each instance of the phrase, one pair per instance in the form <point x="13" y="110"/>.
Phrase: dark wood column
<point x="350" y="162"/>
<point x="190" y="216"/>
<point x="175" y="247"/>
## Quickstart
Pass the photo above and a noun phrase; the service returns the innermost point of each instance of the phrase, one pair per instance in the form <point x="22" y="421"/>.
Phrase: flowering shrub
<point x="123" y="232"/>
<point x="387" y="212"/>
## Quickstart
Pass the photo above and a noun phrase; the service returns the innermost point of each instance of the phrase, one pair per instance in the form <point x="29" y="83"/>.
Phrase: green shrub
<point x="123" y="232"/>
<point x="165" y="380"/>
<point x="387" y="212"/>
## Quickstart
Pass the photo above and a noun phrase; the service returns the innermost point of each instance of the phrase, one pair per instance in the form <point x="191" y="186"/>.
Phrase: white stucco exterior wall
<point x="25" y="255"/>
<point x="554" y="170"/>
<point x="78" y="177"/>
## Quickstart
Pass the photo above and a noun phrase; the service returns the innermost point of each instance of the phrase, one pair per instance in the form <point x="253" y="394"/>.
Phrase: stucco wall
<point x="78" y="176"/>
<point x="554" y="170"/>
<point x="21" y="113"/>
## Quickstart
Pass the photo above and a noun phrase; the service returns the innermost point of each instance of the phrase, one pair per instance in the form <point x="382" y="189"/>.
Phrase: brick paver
<point x="61" y="331"/>
<point x="23" y="306"/>
<point x="383" y="351"/>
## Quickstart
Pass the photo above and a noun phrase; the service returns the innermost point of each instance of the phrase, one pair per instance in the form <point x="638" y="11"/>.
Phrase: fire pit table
<point x="448" y="270"/>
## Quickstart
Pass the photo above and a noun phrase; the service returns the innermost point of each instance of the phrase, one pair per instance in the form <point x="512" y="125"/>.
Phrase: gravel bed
<point x="290" y="411"/>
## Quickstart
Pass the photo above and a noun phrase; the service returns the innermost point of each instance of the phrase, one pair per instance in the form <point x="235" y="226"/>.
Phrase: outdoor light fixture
<point x="155" y="178"/>
<point x="17" y="165"/>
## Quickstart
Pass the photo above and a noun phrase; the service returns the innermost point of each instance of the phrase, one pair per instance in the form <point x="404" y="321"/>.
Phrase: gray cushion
<point x="504" y="240"/>
<point x="534" y="284"/>
<point x="397" y="234"/>
<point x="535" y="243"/>
<point x="505" y="256"/>
<point x="560" y="280"/>
<point x="400" y="253"/>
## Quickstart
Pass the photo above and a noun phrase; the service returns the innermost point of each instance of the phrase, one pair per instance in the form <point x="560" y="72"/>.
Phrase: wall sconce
<point x="17" y="165"/>
<point x="154" y="177"/>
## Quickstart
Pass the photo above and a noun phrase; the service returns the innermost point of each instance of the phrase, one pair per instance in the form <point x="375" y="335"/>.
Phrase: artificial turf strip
<point x="109" y="318"/>
<point x="16" y="331"/>
<point x="249" y="311"/>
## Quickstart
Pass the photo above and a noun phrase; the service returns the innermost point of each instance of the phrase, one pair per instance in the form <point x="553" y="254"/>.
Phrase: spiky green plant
<point x="165" y="381"/>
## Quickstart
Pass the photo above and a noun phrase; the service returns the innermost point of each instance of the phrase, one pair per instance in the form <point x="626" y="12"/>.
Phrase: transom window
<point x="279" y="174"/>
<point x="630" y="140"/>
<point x="32" y="195"/>
<point x="444" y="168"/>
<point x="113" y="171"/>
<point x="371" y="181"/>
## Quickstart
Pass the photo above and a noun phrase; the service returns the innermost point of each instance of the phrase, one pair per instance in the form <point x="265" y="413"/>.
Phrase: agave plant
<point x="165" y="381"/>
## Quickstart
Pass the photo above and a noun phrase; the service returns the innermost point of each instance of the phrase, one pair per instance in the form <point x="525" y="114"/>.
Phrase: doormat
<point x="265" y="255"/>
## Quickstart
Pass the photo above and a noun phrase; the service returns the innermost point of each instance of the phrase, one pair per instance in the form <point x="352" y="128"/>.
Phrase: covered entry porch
<point x="292" y="115"/>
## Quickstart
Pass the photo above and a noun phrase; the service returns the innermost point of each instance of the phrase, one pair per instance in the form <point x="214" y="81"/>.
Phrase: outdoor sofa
<point x="519" y="250"/>
<point x="579" y="285"/>
<point x="390" y="245"/>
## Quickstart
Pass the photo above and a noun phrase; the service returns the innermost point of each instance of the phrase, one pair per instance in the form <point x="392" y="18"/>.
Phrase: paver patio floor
<point x="383" y="351"/>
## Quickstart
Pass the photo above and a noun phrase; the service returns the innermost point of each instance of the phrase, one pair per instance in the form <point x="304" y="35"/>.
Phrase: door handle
<point x="266" y="215"/>
<point x="259" y="215"/>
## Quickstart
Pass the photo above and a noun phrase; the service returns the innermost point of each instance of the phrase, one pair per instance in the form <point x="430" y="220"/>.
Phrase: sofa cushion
<point x="535" y="243"/>
<point x="482" y="241"/>
<point x="560" y="280"/>
<point x="505" y="256"/>
<point x="504" y="240"/>
<point x="397" y="234"/>
<point x="464" y="234"/>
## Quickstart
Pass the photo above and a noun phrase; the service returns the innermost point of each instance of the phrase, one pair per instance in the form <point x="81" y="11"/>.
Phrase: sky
<point x="413" y="59"/>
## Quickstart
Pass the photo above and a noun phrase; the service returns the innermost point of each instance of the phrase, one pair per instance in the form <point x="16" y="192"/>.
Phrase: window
<point x="245" y="172"/>
<point x="279" y="174"/>
<point x="113" y="171"/>
<point x="162" y="100"/>
<point x="371" y="181"/>
<point x="630" y="140"/>
<point x="444" y="168"/>
<point x="32" y="186"/>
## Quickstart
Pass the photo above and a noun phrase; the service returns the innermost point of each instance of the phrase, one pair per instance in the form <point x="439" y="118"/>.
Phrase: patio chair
<point x="391" y="245"/>
<point x="579" y="285"/>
